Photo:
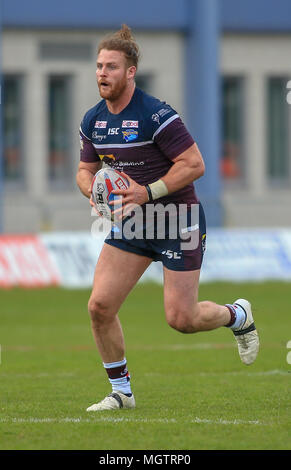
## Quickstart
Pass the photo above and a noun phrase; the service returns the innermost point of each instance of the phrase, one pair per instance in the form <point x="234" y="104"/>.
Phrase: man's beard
<point x="112" y="94"/>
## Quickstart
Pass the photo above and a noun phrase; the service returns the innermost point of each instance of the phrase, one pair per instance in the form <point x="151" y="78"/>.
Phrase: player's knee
<point x="181" y="320"/>
<point x="99" y="311"/>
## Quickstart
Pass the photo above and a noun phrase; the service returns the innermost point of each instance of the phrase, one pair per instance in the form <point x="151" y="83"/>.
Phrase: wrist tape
<point x="156" y="190"/>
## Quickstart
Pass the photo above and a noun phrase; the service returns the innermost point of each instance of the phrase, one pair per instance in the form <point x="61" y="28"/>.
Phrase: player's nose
<point x="102" y="71"/>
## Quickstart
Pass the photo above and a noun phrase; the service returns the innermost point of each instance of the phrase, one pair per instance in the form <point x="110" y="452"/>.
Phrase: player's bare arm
<point x="85" y="174"/>
<point x="188" y="167"/>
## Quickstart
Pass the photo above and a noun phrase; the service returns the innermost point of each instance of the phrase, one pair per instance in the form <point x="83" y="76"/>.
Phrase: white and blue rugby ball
<point x="103" y="183"/>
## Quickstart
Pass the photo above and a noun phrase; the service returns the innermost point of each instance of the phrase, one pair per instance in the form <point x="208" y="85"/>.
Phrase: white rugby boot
<point x="247" y="336"/>
<point x="114" y="401"/>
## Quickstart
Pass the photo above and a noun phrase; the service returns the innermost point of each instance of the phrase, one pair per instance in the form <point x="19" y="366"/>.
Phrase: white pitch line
<point x="225" y="421"/>
<point x="39" y="375"/>
<point x="229" y="373"/>
<point x="151" y="374"/>
<point x="185" y="347"/>
<point x="111" y="419"/>
<point x="249" y="374"/>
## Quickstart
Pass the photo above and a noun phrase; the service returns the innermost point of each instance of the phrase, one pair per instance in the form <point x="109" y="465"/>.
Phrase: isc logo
<point x="113" y="130"/>
<point x="172" y="254"/>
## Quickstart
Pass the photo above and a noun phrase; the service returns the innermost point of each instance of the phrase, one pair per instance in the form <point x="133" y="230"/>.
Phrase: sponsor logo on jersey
<point x="101" y="124"/>
<point x="129" y="135"/>
<point x="113" y="130"/>
<point x="123" y="164"/>
<point x="95" y="135"/>
<point x="162" y="112"/>
<point x="129" y="124"/>
<point x="112" y="157"/>
<point x="156" y="118"/>
<point x="81" y="143"/>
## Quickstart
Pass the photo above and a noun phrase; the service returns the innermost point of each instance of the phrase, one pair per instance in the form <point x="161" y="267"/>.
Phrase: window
<point x="60" y="131"/>
<point x="278" y="122"/>
<point x="12" y="128"/>
<point x="65" y="51"/>
<point x="144" y="82"/>
<point x="232" y="161"/>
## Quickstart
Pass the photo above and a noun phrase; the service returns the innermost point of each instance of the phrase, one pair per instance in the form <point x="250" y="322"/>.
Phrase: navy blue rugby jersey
<point x="142" y="141"/>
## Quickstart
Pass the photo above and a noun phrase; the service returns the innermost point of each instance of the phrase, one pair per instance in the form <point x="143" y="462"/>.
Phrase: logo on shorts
<point x="172" y="254"/>
<point x="203" y="243"/>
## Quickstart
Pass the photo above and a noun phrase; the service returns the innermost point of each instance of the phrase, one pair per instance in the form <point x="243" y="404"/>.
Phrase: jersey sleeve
<point x="88" y="152"/>
<point x="169" y="132"/>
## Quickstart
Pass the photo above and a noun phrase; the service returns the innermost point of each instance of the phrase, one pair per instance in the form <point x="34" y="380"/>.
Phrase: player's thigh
<point x="117" y="271"/>
<point x="180" y="292"/>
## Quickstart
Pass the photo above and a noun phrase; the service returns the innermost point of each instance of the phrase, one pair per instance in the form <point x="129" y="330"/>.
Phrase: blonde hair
<point x="123" y="41"/>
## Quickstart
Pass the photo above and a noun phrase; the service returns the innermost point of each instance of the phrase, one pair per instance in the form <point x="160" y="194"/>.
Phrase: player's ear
<point x="131" y="71"/>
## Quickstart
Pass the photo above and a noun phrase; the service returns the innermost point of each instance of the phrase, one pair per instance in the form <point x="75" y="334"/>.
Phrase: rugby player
<point x="136" y="133"/>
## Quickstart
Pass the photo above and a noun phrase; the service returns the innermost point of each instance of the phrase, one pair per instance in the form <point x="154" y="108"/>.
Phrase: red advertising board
<point x="24" y="261"/>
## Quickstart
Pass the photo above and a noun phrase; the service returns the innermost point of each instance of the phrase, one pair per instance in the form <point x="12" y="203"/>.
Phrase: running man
<point x="136" y="133"/>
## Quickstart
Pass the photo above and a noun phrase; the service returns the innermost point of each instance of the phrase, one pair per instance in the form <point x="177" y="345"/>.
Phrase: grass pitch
<point x="192" y="391"/>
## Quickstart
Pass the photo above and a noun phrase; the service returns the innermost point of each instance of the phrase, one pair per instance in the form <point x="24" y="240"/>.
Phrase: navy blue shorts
<point x="182" y="251"/>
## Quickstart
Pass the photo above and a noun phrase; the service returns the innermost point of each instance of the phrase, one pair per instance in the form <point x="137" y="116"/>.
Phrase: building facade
<point x="48" y="78"/>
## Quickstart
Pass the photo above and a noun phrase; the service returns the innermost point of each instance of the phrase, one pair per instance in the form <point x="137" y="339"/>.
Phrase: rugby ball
<point x="103" y="183"/>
